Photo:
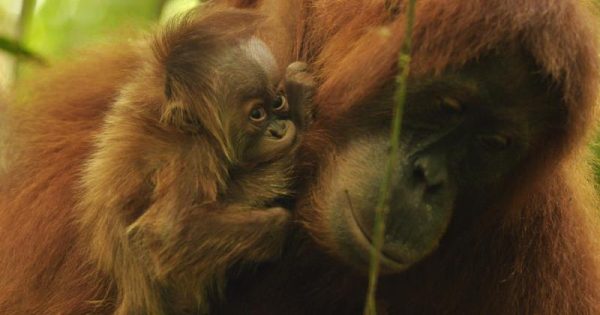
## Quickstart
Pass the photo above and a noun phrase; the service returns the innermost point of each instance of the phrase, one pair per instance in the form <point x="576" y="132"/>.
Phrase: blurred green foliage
<point x="15" y="48"/>
<point x="59" y="25"/>
<point x="48" y="29"/>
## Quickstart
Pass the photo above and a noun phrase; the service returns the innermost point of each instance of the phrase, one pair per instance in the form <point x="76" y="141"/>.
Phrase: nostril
<point x="434" y="188"/>
<point x="429" y="175"/>
<point x="419" y="174"/>
<point x="277" y="129"/>
<point x="275" y="133"/>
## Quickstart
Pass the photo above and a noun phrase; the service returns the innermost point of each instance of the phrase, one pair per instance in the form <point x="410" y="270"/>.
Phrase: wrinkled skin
<point x="494" y="210"/>
<point x="490" y="212"/>
<point x="464" y="134"/>
<point x="461" y="143"/>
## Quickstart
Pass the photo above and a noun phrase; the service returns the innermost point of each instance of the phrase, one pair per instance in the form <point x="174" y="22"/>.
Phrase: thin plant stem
<point x="383" y="201"/>
<point x="160" y="7"/>
<point x="27" y="10"/>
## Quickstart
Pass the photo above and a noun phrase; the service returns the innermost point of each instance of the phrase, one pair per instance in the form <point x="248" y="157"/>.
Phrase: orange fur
<point x="537" y="253"/>
<point x="126" y="193"/>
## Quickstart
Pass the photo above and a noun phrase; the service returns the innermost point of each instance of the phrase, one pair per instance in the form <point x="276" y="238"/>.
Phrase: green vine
<point x="382" y="208"/>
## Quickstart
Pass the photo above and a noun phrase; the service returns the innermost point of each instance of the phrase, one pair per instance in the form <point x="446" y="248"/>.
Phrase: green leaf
<point x="14" y="48"/>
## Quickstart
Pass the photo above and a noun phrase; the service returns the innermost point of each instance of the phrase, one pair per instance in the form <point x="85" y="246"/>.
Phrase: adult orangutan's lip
<point x="388" y="263"/>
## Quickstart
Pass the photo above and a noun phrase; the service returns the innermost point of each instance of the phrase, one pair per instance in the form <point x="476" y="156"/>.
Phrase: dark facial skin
<point x="270" y="132"/>
<point x="257" y="111"/>
<point x="216" y="228"/>
<point x="464" y="134"/>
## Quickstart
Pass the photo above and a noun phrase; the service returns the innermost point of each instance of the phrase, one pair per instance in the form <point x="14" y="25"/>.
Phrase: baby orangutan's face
<point x="259" y="123"/>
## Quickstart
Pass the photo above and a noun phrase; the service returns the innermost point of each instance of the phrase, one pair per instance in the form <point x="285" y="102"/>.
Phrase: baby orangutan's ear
<point x="177" y="113"/>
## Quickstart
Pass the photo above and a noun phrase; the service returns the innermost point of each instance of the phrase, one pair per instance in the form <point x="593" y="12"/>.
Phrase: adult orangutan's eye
<point x="494" y="142"/>
<point x="450" y="105"/>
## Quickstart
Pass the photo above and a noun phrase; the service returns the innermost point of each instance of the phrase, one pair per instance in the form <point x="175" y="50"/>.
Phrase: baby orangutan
<point x="190" y="159"/>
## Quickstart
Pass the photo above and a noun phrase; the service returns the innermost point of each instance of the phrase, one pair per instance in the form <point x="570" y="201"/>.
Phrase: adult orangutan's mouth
<point x="365" y="240"/>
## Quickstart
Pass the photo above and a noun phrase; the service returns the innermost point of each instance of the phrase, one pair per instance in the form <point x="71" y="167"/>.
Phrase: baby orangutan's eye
<point x="258" y="114"/>
<point x="280" y="103"/>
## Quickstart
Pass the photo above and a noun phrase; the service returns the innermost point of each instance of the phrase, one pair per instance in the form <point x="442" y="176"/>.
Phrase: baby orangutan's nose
<point x="278" y="129"/>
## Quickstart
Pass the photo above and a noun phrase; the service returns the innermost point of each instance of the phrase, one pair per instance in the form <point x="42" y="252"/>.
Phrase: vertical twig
<point x="27" y="10"/>
<point x="382" y="208"/>
<point x="160" y="7"/>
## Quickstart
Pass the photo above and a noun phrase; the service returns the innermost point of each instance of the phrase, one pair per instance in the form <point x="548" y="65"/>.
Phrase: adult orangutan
<point x="493" y="209"/>
<point x="144" y="177"/>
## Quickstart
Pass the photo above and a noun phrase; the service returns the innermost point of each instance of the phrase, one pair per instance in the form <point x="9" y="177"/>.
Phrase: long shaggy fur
<point x="120" y="196"/>
<point x="538" y="252"/>
<point x="536" y="255"/>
